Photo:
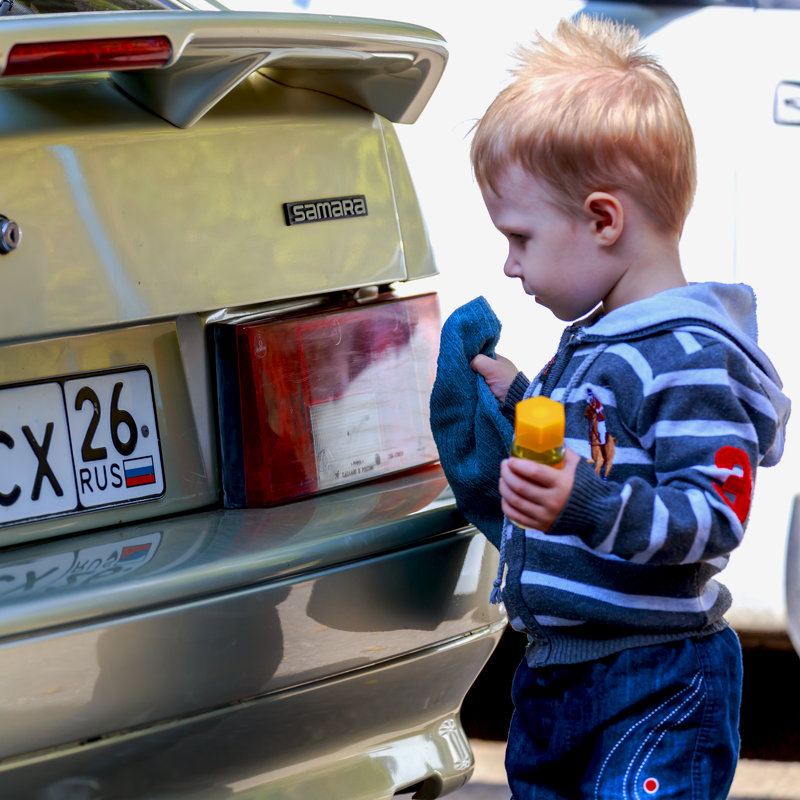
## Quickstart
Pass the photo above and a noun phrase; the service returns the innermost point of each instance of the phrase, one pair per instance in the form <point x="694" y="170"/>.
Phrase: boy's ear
<point x="606" y="217"/>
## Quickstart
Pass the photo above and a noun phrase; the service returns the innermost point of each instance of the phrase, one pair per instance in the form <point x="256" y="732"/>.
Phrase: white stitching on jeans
<point x="691" y="688"/>
<point x="657" y="742"/>
<point x="661" y="724"/>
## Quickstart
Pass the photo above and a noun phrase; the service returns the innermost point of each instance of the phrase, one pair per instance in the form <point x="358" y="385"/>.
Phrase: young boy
<point x="631" y="683"/>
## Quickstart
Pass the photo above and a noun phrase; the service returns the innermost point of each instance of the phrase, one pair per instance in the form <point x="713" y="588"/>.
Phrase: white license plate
<point x="78" y="443"/>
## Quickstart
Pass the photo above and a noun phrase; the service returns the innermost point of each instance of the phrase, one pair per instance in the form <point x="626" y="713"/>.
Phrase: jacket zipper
<point x="570" y="340"/>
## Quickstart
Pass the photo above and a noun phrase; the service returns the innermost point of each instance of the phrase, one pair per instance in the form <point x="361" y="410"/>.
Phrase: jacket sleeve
<point x="516" y="392"/>
<point x="685" y="485"/>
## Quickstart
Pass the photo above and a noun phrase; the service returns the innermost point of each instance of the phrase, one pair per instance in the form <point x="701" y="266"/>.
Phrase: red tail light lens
<point x="314" y="402"/>
<point x="88" y="55"/>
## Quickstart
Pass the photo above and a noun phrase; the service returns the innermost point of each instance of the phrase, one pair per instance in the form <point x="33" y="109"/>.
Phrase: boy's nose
<point x="511" y="268"/>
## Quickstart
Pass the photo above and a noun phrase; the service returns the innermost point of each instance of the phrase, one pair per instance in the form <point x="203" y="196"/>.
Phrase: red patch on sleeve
<point x="737" y="490"/>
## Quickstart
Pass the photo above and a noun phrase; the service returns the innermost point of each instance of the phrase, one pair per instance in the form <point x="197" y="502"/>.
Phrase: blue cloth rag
<point x="471" y="432"/>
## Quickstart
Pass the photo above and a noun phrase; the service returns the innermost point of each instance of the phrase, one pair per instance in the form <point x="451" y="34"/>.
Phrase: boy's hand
<point x="533" y="494"/>
<point x="499" y="373"/>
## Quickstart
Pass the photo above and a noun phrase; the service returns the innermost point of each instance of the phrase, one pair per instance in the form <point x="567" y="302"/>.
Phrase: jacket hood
<point x="727" y="308"/>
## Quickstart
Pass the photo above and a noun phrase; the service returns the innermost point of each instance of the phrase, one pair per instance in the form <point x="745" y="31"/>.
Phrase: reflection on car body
<point x="96" y="563"/>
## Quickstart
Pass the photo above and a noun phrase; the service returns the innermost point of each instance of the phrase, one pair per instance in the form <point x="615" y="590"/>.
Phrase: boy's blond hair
<point x="588" y="111"/>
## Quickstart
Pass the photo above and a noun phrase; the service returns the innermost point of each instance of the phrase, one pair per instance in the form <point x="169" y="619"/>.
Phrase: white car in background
<point x="736" y="63"/>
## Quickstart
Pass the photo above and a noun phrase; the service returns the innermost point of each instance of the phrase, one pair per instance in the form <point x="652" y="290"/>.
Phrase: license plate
<point x="77" y="443"/>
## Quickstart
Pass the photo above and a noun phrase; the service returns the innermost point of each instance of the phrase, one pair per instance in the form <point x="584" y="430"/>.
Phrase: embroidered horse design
<point x="601" y="443"/>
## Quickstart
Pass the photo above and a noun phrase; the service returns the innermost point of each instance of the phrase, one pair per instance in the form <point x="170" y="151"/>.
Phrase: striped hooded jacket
<point x="673" y="407"/>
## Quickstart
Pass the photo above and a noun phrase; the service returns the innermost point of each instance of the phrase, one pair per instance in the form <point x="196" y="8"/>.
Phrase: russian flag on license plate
<point x="139" y="471"/>
<point x="134" y="553"/>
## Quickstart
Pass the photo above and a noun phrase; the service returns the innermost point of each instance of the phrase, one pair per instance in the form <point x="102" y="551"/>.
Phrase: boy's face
<point x="556" y="256"/>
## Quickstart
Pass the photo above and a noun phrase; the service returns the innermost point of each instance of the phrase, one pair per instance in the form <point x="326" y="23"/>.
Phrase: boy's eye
<point x="517" y="238"/>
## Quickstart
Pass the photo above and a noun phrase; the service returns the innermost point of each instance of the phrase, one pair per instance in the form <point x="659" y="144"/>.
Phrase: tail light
<point x="88" y="55"/>
<point x="317" y="401"/>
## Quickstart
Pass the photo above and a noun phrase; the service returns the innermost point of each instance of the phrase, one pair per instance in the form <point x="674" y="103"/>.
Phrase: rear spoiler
<point x="389" y="68"/>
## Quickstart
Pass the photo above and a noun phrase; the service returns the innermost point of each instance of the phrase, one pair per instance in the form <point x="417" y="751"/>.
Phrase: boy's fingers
<point x="487" y="367"/>
<point x="540" y="473"/>
<point x="520" y="522"/>
<point x="522" y="504"/>
<point x="519" y="518"/>
<point x="512" y="494"/>
<point x="521" y="471"/>
<point x="477" y="362"/>
<point x="536" y="518"/>
<point x="521" y="488"/>
<point x="490" y="368"/>
<point x="532" y="494"/>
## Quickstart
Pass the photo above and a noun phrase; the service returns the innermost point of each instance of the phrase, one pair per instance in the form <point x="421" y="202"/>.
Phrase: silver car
<point x="231" y="565"/>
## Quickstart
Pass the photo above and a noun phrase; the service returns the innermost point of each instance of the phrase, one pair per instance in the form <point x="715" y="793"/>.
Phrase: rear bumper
<point x="362" y="736"/>
<point x="219" y="647"/>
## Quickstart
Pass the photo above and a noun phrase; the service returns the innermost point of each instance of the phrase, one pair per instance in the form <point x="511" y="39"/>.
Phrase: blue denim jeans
<point x="649" y="723"/>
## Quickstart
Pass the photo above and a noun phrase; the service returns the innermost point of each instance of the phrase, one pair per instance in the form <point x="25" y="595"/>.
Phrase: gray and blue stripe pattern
<point x="694" y="408"/>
